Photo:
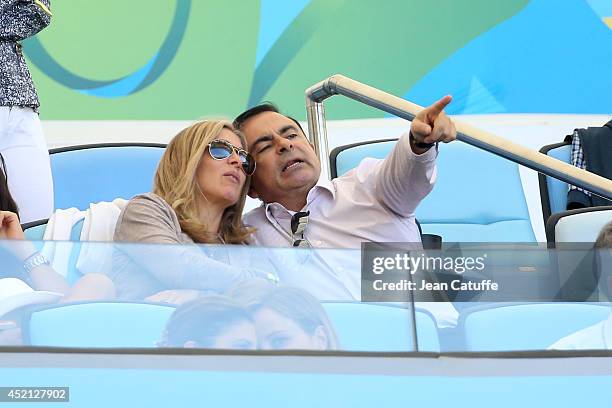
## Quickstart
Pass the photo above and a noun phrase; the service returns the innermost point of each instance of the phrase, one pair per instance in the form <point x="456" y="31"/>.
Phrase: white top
<point x="374" y="202"/>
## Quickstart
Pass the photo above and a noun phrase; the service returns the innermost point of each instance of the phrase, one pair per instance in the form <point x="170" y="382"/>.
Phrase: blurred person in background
<point x="286" y="318"/>
<point x="212" y="322"/>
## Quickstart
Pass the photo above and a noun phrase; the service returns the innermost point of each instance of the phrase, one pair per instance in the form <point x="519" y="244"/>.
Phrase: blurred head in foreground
<point x="213" y="322"/>
<point x="286" y="317"/>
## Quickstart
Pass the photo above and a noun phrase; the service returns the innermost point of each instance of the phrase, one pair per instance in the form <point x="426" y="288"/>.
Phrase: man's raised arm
<point x="408" y="174"/>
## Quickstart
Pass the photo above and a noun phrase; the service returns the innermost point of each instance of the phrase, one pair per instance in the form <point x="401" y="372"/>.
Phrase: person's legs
<point x="27" y="160"/>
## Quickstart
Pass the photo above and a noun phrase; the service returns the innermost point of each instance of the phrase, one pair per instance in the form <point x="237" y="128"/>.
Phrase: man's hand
<point x="432" y="125"/>
<point x="9" y="226"/>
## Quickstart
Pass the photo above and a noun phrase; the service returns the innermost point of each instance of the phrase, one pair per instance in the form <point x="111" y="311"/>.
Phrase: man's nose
<point x="284" y="145"/>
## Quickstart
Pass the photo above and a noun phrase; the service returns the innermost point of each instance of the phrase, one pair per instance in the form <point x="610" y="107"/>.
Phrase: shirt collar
<point x="326" y="184"/>
<point x="323" y="184"/>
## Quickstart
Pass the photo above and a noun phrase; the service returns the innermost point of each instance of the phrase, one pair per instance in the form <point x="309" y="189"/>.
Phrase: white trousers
<point x="24" y="149"/>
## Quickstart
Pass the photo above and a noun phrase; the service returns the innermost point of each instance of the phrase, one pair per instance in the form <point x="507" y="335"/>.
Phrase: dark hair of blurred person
<point x="212" y="322"/>
<point x="7" y="203"/>
<point x="286" y="317"/>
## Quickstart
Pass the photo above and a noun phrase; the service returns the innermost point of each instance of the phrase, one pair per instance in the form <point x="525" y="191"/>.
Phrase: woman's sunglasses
<point x="222" y="149"/>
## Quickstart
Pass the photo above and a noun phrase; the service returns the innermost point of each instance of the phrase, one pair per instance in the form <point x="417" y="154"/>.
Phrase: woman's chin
<point x="231" y="200"/>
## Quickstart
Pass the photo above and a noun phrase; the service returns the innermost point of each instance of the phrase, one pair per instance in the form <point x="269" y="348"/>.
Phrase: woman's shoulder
<point x="146" y="214"/>
<point x="149" y="200"/>
<point x="147" y="206"/>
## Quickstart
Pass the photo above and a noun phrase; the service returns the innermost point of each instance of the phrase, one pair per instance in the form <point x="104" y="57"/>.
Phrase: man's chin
<point x="302" y="186"/>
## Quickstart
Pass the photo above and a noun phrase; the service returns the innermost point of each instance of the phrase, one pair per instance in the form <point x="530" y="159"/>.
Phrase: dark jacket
<point x="596" y="143"/>
<point x="19" y="19"/>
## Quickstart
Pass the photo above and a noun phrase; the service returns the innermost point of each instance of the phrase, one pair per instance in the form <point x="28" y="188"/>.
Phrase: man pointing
<point x="374" y="202"/>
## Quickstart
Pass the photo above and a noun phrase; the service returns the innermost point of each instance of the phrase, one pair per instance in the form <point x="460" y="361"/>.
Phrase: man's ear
<point x="252" y="193"/>
<point x="313" y="146"/>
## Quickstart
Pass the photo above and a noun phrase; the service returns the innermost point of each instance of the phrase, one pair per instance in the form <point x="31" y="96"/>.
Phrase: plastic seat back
<point x="376" y="327"/>
<point x="93" y="173"/>
<point x="98" y="324"/>
<point x="553" y="192"/>
<point x="470" y="179"/>
<point x="574" y="232"/>
<point x="581" y="225"/>
<point x="73" y="274"/>
<point x="34" y="231"/>
<point x="526" y="326"/>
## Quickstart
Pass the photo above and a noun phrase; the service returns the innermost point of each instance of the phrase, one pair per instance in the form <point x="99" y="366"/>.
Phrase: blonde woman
<point x="198" y="196"/>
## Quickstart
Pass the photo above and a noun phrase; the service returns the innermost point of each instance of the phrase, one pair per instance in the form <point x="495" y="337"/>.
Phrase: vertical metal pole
<point x="318" y="133"/>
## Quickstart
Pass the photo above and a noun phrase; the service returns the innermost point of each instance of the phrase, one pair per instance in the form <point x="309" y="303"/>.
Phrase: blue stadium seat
<point x="97" y="324"/>
<point x="581" y="225"/>
<point x="534" y="326"/>
<point x="93" y="173"/>
<point x="360" y="326"/>
<point x="374" y="327"/>
<point x="576" y="263"/>
<point x="478" y="196"/>
<point x="34" y="231"/>
<point x="73" y="274"/>
<point x="553" y="192"/>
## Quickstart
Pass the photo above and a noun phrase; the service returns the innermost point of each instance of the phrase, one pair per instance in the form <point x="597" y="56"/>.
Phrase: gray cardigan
<point x="143" y="269"/>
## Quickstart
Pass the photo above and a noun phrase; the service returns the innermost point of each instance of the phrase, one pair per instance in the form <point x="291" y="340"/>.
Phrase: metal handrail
<point x="341" y="85"/>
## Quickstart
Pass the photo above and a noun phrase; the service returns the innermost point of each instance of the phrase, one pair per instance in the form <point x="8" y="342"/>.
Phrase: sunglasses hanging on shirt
<point x="298" y="226"/>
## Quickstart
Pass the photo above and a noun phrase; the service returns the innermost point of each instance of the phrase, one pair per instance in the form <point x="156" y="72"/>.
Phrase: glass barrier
<point x="381" y="298"/>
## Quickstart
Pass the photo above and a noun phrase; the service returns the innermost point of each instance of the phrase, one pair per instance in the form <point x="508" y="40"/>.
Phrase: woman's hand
<point x="174" y="296"/>
<point x="10" y="228"/>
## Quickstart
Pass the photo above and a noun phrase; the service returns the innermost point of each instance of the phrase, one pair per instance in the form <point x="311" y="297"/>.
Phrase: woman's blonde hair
<point x="175" y="182"/>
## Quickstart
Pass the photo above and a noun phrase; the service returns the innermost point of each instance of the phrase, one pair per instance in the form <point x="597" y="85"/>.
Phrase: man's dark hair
<point x="6" y="200"/>
<point x="256" y="110"/>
